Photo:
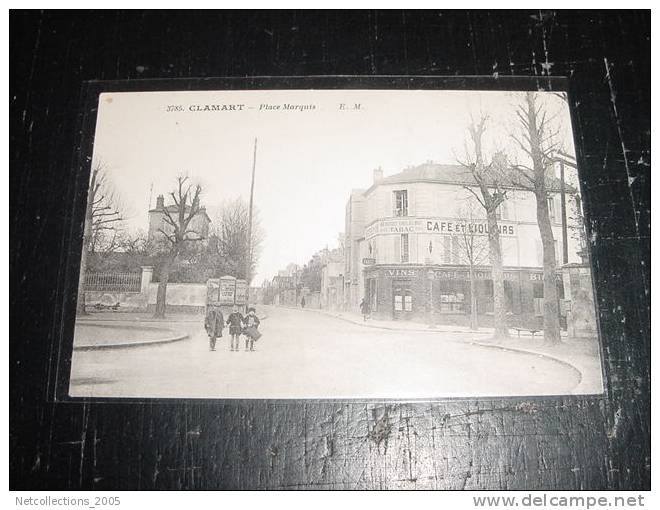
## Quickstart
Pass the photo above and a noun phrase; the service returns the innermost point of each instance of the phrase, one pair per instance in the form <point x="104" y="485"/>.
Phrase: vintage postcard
<point x="334" y="244"/>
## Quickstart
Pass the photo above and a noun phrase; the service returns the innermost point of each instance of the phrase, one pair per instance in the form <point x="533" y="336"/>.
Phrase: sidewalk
<point x="358" y="319"/>
<point x="583" y="355"/>
<point x="98" y="334"/>
<point x="141" y="317"/>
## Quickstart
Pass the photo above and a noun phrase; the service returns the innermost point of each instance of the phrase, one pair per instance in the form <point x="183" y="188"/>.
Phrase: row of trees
<point x="177" y="250"/>
<point x="493" y="176"/>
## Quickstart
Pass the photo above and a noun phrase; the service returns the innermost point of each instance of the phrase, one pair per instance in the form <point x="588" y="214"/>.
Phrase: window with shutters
<point x="401" y="203"/>
<point x="405" y="248"/>
<point x="551" y="210"/>
<point x="503" y="212"/>
<point x="446" y="245"/>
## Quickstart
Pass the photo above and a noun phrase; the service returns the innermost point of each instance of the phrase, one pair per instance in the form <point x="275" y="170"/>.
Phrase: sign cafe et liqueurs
<point x="434" y="226"/>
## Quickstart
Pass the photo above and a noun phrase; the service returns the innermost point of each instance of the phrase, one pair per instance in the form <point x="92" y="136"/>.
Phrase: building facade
<point x="353" y="239"/>
<point x="332" y="280"/>
<point x="414" y="235"/>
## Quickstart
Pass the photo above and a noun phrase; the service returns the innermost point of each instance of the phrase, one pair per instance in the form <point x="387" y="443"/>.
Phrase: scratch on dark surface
<point x="613" y="432"/>
<point x="83" y="438"/>
<point x="272" y="455"/>
<point x="382" y="428"/>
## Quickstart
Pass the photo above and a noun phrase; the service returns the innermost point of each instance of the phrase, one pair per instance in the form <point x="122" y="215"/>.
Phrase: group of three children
<point x="247" y="325"/>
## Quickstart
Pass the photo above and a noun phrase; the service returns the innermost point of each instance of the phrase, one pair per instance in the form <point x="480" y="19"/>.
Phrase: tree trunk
<point x="161" y="294"/>
<point x="499" y="306"/>
<point x="474" y="321"/>
<point x="551" y="331"/>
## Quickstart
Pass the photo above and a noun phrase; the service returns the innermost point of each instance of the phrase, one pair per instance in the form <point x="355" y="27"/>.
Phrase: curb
<point x="536" y="353"/>
<point x="149" y="320"/>
<point x="130" y="344"/>
<point x="123" y="345"/>
<point x="392" y="328"/>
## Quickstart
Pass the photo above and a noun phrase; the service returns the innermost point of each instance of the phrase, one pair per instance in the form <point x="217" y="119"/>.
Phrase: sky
<point x="308" y="159"/>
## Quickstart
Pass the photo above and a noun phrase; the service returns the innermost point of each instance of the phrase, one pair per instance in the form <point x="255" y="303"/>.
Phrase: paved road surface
<point x="305" y="354"/>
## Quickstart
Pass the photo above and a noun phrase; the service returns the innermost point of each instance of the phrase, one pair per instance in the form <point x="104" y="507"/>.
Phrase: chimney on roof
<point x="378" y="175"/>
<point x="160" y="202"/>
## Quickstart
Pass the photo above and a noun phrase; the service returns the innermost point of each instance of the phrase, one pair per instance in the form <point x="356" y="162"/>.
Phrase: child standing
<point x="251" y="329"/>
<point x="214" y="322"/>
<point x="235" y="322"/>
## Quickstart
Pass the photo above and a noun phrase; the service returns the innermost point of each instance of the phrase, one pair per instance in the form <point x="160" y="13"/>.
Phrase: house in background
<point x="158" y="223"/>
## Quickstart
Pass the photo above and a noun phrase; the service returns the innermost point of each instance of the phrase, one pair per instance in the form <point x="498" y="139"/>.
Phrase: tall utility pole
<point x="248" y="263"/>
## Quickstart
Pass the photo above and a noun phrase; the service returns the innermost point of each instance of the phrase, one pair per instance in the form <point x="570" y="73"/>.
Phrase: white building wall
<point x="442" y="202"/>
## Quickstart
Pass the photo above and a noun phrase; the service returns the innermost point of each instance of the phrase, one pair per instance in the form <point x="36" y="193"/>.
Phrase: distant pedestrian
<point x="365" y="309"/>
<point x="235" y="322"/>
<point x="251" y="331"/>
<point x="302" y="302"/>
<point x="214" y="323"/>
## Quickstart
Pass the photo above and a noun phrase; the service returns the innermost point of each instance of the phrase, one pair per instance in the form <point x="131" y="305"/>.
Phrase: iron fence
<point x="113" y="282"/>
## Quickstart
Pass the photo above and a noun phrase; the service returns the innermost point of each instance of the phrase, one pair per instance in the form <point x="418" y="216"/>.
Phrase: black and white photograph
<point x="334" y="244"/>
<point x="333" y="248"/>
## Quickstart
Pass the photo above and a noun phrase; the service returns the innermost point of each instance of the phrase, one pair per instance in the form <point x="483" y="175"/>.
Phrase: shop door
<point x="402" y="300"/>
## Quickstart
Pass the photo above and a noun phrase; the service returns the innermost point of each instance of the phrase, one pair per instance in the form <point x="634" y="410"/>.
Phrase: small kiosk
<point x="226" y="292"/>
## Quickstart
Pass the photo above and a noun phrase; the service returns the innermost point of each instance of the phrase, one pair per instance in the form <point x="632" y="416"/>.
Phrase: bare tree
<point x="490" y="179"/>
<point x="134" y="244"/>
<point x="231" y="239"/>
<point x="539" y="142"/>
<point x="176" y="233"/>
<point x="101" y="216"/>
<point x="471" y="249"/>
<point x="107" y="216"/>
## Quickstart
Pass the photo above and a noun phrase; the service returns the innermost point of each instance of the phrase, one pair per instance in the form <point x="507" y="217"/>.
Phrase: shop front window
<point x="508" y="296"/>
<point x="452" y="297"/>
<point x="538" y="298"/>
<point x="403" y="303"/>
<point x="485" y="296"/>
<point x="402" y="298"/>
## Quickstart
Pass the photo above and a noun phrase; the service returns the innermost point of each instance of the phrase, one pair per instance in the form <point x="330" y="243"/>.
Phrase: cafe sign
<point x="446" y="226"/>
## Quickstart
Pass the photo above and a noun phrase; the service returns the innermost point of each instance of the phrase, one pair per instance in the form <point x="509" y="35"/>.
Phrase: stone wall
<point x="181" y="297"/>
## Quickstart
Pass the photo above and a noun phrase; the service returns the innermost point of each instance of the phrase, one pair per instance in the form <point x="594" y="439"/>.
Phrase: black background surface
<point x="566" y="443"/>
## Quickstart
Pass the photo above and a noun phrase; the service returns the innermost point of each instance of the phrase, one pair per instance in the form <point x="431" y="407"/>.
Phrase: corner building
<point x="403" y="239"/>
